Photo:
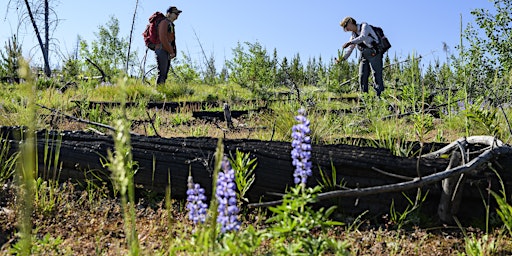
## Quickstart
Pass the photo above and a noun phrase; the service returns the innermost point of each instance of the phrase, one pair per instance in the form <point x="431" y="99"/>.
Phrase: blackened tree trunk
<point x="44" y="46"/>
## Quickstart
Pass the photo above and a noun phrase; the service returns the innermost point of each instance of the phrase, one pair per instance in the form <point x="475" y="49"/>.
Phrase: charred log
<point x="164" y="162"/>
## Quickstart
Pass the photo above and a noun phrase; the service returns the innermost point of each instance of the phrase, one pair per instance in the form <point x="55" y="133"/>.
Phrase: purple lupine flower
<point x="226" y="196"/>
<point x="195" y="202"/>
<point x="461" y="105"/>
<point x="301" y="152"/>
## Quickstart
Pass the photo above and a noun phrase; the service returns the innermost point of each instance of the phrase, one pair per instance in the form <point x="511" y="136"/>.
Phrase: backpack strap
<point x="361" y="45"/>
<point x="376" y="40"/>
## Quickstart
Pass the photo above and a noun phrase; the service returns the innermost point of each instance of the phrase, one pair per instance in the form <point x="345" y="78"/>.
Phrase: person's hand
<point x="347" y="44"/>
<point x="172" y="56"/>
<point x="337" y="60"/>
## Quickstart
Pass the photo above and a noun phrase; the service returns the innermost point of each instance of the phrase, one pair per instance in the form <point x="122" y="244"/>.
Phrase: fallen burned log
<point x="164" y="162"/>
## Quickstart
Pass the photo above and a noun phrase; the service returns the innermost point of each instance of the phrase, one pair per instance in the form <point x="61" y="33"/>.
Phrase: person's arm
<point x="163" y="35"/>
<point x="349" y="46"/>
<point x="363" y="36"/>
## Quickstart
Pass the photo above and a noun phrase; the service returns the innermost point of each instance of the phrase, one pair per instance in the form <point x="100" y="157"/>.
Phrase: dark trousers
<point x="370" y="60"/>
<point x="164" y="62"/>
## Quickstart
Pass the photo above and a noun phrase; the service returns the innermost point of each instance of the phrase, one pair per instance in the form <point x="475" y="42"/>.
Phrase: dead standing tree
<point x="131" y="34"/>
<point x="34" y="18"/>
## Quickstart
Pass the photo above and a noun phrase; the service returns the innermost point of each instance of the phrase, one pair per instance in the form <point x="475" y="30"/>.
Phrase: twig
<point x="208" y="64"/>
<point x="82" y="120"/>
<point x="152" y="124"/>
<point x="392" y="174"/>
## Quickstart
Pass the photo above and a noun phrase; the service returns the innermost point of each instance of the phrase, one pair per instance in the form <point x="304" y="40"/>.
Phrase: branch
<point x="103" y="76"/>
<point x="485" y="140"/>
<point x="82" y="120"/>
<point x="416" y="183"/>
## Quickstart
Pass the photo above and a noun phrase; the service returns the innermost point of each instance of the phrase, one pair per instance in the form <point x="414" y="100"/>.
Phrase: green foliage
<point x="330" y="183"/>
<point x="282" y="120"/>
<point x="480" y="246"/>
<point x="180" y="118"/>
<point x="123" y="168"/>
<point x="336" y="74"/>
<point x="27" y="163"/>
<point x="245" y="242"/>
<point x="7" y="161"/>
<point x="388" y="135"/>
<point x="108" y="51"/>
<point x="498" y="38"/>
<point x="210" y="73"/>
<point x="296" y="71"/>
<point x="72" y="69"/>
<point x="406" y="216"/>
<point x="184" y="71"/>
<point x="175" y="91"/>
<point x="47" y="196"/>
<point x="44" y="83"/>
<point x="10" y="59"/>
<point x="299" y="229"/>
<point x="484" y="115"/>
<point x="252" y="69"/>
<point x="423" y="124"/>
<point x="323" y="127"/>
<point x="47" y="245"/>
<point x="94" y="192"/>
<point x="244" y="167"/>
<point x="504" y="210"/>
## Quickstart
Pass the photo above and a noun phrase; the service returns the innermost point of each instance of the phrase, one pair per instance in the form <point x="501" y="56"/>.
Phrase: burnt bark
<point x="164" y="162"/>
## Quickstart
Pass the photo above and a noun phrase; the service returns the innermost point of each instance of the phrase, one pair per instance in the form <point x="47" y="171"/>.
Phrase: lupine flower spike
<point x="226" y="196"/>
<point x="301" y="152"/>
<point x="196" y="205"/>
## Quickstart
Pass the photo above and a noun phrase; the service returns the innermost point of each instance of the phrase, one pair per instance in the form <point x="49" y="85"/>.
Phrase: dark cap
<point x="173" y="9"/>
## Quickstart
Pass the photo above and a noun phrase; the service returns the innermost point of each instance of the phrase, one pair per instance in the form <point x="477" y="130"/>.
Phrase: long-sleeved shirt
<point x="365" y="35"/>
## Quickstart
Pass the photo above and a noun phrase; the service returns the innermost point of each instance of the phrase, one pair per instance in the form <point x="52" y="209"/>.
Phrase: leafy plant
<point x="245" y="242"/>
<point x="294" y="224"/>
<point x="252" y="69"/>
<point x="123" y="168"/>
<point x="7" y="161"/>
<point x="10" y="59"/>
<point x="107" y="52"/>
<point x="480" y="246"/>
<point x="244" y="172"/>
<point x="27" y="164"/>
<point x="402" y="218"/>
<point x="504" y="210"/>
<point x="389" y="137"/>
<point x="46" y="196"/>
<point x="485" y="116"/>
<point x="41" y="246"/>
<point x="329" y="183"/>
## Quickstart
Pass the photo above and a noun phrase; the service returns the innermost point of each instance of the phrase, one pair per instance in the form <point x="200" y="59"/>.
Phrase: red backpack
<point x="151" y="38"/>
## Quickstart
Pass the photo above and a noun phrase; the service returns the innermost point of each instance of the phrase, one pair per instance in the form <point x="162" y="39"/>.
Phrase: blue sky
<point x="310" y="28"/>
